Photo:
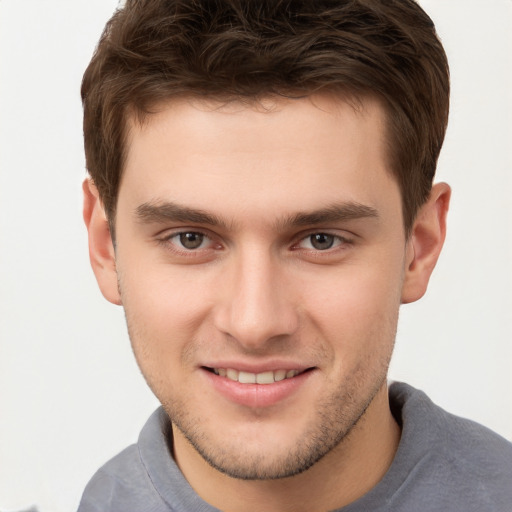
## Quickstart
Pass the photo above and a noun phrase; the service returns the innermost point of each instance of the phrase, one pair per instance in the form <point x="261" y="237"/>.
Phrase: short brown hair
<point x="154" y="50"/>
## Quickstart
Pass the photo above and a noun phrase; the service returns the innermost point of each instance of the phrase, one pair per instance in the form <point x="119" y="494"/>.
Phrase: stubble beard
<point x="334" y="420"/>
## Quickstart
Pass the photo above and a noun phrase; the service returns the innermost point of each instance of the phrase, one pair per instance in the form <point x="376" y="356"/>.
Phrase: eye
<point x="189" y="246"/>
<point x="190" y="240"/>
<point x="321" y="241"/>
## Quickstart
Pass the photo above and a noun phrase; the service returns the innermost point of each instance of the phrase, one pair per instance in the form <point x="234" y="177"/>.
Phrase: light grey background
<point x="71" y="395"/>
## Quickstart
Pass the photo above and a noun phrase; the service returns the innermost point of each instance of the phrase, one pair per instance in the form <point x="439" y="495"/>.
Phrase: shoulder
<point x="143" y="477"/>
<point x="121" y="484"/>
<point x="458" y="459"/>
<point x="470" y="439"/>
<point x="124" y="482"/>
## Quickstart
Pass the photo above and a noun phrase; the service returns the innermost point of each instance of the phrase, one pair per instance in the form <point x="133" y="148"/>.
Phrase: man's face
<point x="261" y="244"/>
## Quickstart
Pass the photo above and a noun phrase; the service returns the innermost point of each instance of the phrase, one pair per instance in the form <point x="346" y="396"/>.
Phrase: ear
<point x="425" y="243"/>
<point x="101" y="247"/>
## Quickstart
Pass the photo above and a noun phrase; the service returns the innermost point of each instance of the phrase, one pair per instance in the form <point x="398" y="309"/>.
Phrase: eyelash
<point x="339" y="242"/>
<point x="167" y="242"/>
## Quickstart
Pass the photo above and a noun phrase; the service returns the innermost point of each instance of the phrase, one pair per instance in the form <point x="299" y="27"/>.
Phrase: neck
<point x="345" y="474"/>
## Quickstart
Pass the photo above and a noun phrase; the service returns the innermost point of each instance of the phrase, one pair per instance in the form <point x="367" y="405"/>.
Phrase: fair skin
<point x="265" y="243"/>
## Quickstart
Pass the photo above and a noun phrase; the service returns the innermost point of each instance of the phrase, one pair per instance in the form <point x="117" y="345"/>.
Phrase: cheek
<point x="162" y="293"/>
<point x="164" y="310"/>
<point x="357" y="309"/>
<point x="161" y="324"/>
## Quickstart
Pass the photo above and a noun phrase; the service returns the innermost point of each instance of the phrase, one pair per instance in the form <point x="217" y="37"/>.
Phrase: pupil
<point x="191" y="240"/>
<point x="322" y="241"/>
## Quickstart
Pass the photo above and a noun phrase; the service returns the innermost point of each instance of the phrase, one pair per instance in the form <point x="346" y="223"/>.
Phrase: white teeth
<point x="265" y="378"/>
<point x="279" y="375"/>
<point x="255" y="378"/>
<point x="231" y="374"/>
<point x="246" y="378"/>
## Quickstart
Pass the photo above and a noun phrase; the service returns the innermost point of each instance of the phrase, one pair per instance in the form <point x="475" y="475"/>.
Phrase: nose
<point x="256" y="306"/>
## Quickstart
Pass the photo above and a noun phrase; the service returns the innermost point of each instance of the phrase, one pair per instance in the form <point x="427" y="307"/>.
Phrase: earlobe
<point x="425" y="243"/>
<point x="101" y="247"/>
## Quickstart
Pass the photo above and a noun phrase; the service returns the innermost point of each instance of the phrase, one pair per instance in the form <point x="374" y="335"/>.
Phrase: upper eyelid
<point x="169" y="233"/>
<point x="346" y="236"/>
<point x="166" y="236"/>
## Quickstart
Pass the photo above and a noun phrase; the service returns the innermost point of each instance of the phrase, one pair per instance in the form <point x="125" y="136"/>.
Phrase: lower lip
<point x="257" y="395"/>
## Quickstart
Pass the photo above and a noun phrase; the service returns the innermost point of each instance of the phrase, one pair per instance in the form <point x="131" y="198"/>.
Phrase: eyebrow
<point x="160" y="212"/>
<point x="338" y="212"/>
<point x="168" y="211"/>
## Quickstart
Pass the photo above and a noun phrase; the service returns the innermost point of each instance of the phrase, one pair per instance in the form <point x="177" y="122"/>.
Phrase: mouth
<point x="267" y="377"/>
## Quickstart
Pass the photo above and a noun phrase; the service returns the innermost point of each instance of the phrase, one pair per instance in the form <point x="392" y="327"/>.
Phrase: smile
<point x="268" y="377"/>
<point x="258" y="389"/>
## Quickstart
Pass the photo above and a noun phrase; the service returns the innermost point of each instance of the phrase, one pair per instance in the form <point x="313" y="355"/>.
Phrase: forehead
<point x="292" y="152"/>
<point x="318" y="115"/>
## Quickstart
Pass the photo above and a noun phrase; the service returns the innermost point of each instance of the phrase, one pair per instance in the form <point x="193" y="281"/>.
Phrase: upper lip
<point x="252" y="367"/>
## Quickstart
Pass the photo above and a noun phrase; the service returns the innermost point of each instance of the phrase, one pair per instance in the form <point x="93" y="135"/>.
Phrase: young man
<point x="260" y="202"/>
